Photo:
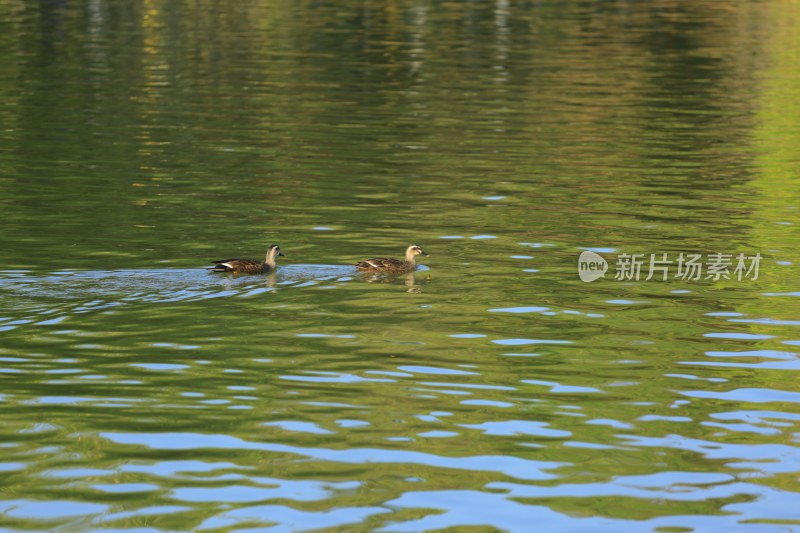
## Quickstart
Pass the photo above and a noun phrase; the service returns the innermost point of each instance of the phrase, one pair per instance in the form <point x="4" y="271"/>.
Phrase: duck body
<point x="385" y="264"/>
<point x="249" y="266"/>
<point x="241" y="266"/>
<point x="392" y="266"/>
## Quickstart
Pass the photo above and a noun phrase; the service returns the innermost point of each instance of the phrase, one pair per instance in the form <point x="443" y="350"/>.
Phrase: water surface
<point x="490" y="389"/>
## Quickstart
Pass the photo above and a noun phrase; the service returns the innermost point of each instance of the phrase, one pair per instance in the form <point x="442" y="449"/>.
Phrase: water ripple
<point x="511" y="466"/>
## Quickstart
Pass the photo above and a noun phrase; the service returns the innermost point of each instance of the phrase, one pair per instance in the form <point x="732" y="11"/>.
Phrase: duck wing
<point x="236" y="264"/>
<point x="379" y="263"/>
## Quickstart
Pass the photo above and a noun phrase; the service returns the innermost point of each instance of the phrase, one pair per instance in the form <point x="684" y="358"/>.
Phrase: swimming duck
<point x="393" y="266"/>
<point x="249" y="266"/>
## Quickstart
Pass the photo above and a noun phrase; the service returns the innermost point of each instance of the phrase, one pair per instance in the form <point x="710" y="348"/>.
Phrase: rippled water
<point x="491" y="389"/>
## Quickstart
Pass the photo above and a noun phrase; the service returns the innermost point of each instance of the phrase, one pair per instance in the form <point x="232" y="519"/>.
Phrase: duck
<point x="249" y="266"/>
<point x="392" y="266"/>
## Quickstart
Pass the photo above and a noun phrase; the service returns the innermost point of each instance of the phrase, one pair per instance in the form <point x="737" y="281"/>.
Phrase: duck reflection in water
<point x="409" y="280"/>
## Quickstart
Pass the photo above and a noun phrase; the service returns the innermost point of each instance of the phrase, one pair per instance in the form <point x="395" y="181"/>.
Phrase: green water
<point x="490" y="390"/>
